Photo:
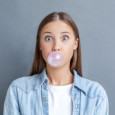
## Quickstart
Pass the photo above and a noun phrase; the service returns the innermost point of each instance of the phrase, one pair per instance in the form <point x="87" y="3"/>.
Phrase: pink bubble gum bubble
<point x="55" y="58"/>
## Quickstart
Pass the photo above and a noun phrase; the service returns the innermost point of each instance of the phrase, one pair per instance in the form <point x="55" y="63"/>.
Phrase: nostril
<point x="56" y="50"/>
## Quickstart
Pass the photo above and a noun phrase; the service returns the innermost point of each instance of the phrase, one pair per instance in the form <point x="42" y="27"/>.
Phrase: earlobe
<point x="76" y="45"/>
<point x="40" y="48"/>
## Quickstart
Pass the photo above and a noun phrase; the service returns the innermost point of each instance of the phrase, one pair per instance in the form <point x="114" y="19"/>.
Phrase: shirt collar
<point x="79" y="81"/>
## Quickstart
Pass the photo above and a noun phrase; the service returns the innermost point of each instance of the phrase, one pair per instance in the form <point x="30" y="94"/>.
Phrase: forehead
<point x="57" y="26"/>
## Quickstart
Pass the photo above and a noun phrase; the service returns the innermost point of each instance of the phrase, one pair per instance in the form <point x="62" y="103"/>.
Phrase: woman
<point x="55" y="86"/>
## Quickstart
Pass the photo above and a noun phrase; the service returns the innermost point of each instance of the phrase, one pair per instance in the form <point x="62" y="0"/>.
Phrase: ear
<point x="76" y="44"/>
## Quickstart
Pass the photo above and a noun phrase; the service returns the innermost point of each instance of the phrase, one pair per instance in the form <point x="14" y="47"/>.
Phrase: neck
<point x="59" y="76"/>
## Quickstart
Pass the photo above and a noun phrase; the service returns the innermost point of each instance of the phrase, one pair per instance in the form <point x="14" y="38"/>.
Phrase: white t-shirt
<point x="59" y="100"/>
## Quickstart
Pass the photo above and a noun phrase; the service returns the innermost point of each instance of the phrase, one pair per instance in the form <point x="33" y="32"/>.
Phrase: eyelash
<point x="51" y="37"/>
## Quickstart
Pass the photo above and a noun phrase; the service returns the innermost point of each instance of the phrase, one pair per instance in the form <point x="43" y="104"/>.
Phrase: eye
<point x="65" y="37"/>
<point x="48" y="38"/>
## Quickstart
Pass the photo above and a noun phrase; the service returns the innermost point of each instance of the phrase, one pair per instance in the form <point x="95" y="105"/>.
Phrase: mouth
<point x="55" y="58"/>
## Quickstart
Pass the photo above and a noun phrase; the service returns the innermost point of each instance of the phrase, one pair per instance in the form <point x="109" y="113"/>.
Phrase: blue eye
<point x="48" y="38"/>
<point x="65" y="37"/>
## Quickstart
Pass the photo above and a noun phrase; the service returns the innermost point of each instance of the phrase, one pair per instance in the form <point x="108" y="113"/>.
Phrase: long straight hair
<point x="75" y="62"/>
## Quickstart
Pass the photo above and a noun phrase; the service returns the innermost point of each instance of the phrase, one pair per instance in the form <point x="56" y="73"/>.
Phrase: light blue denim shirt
<point x="29" y="96"/>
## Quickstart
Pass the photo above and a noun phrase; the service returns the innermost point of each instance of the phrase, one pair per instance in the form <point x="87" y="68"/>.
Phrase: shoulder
<point x="94" y="89"/>
<point x="91" y="88"/>
<point x="25" y="83"/>
<point x="98" y="95"/>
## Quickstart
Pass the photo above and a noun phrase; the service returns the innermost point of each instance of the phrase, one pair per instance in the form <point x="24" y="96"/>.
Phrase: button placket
<point x="76" y="102"/>
<point x="45" y="98"/>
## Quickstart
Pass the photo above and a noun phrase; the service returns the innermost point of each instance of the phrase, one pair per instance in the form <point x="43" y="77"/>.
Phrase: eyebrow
<point x="51" y="32"/>
<point x="65" y="32"/>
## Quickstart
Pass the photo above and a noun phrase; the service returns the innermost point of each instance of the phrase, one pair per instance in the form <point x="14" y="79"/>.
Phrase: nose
<point x="56" y="45"/>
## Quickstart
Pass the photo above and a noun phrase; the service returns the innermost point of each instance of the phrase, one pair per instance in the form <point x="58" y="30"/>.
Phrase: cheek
<point x="44" y="56"/>
<point x="44" y="51"/>
<point x="68" y="53"/>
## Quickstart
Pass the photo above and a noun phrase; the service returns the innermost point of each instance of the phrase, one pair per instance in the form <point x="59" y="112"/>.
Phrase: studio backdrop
<point x="19" y="20"/>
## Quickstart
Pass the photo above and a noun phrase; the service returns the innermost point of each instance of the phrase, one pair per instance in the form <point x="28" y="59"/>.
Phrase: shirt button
<point x="77" y="106"/>
<point x="44" y="98"/>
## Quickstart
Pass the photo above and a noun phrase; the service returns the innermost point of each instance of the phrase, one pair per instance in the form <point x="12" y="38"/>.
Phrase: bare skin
<point x="60" y="38"/>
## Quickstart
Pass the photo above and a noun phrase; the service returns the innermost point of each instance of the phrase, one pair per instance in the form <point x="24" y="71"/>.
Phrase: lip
<point x="55" y="52"/>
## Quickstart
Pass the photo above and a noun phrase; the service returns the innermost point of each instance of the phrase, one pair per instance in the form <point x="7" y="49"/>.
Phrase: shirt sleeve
<point x="11" y="106"/>
<point x="102" y="107"/>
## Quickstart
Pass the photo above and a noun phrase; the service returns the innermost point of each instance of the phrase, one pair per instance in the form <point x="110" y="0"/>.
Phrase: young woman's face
<point x="58" y="36"/>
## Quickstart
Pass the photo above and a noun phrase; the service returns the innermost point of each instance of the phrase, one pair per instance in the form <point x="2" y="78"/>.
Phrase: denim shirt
<point x="28" y="95"/>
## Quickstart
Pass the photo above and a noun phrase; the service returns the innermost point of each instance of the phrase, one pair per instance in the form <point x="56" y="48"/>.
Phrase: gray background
<point x="19" y="20"/>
